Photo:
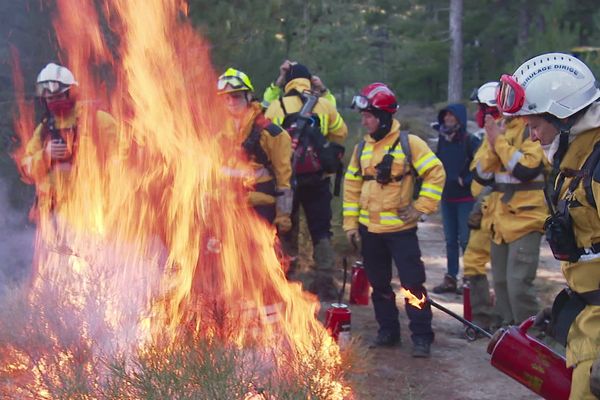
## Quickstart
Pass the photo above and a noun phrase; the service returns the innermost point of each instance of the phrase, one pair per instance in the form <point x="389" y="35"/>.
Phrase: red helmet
<point x="376" y="96"/>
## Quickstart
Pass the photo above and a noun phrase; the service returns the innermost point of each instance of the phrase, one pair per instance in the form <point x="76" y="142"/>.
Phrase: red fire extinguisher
<point x="530" y="362"/>
<point x="359" y="285"/>
<point x="337" y="323"/>
<point x="338" y="316"/>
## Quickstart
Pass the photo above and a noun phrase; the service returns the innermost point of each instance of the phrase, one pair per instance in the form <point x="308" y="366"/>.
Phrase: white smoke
<point x="16" y="242"/>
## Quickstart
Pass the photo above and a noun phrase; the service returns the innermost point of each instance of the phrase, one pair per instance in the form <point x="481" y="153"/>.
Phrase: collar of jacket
<point x="69" y="120"/>
<point x="393" y="131"/>
<point x="246" y="121"/>
<point x="300" y="84"/>
<point x="589" y="120"/>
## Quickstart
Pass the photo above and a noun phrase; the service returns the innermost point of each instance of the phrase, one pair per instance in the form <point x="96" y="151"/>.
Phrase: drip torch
<point x="519" y="355"/>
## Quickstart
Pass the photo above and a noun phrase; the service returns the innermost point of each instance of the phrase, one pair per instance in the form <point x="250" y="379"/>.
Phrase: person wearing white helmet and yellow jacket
<point x="266" y="146"/>
<point x="557" y="95"/>
<point x="517" y="165"/>
<point x="477" y="254"/>
<point x="50" y="153"/>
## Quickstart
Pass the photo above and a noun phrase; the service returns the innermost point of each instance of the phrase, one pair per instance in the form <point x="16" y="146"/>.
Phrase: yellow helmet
<point x="237" y="81"/>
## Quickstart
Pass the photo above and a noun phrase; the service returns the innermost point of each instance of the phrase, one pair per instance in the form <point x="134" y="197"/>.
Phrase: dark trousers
<point x="315" y="198"/>
<point x="378" y="251"/>
<point x="456" y="231"/>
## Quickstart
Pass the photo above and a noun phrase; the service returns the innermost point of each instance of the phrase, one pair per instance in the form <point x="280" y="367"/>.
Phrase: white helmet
<point x="54" y="79"/>
<point x="486" y="94"/>
<point x="554" y="83"/>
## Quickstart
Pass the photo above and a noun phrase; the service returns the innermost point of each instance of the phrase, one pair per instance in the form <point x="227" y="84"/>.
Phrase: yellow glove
<point x="260" y="199"/>
<point x="283" y="223"/>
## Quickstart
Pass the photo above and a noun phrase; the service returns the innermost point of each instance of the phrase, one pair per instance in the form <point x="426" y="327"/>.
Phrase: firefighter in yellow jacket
<point x="50" y="153"/>
<point x="379" y="208"/>
<point x="316" y="155"/>
<point x="477" y="254"/>
<point x="266" y="145"/>
<point x="517" y="165"/>
<point x="557" y="95"/>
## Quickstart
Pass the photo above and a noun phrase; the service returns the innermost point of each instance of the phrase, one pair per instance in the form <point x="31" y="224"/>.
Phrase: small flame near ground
<point x="151" y="275"/>
<point x="412" y="299"/>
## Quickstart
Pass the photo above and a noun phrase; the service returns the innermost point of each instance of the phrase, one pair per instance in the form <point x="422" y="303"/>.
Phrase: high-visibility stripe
<point x="351" y="176"/>
<point x="389" y="218"/>
<point x="507" y="178"/>
<point x="516" y="157"/>
<point x="367" y="153"/>
<point x="426" y="162"/>
<point x="324" y="122"/>
<point x="364" y="217"/>
<point x="431" y="191"/>
<point x="278" y="120"/>
<point x="337" y="123"/>
<point x="350" y="209"/>
<point x="482" y="173"/>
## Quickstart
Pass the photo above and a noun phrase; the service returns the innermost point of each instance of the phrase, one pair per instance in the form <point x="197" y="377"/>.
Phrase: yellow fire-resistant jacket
<point x="36" y="163"/>
<point x="277" y="147"/>
<point x="583" y="342"/>
<point x="515" y="164"/>
<point x="376" y="206"/>
<point x="332" y="124"/>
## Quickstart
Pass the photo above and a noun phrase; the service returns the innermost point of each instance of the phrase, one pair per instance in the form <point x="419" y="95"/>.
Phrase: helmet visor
<point x="360" y="102"/>
<point x="50" y="88"/>
<point x="510" y="95"/>
<point x="234" y="82"/>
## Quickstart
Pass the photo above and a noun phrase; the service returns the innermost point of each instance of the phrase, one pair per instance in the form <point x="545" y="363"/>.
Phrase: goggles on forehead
<point x="510" y="95"/>
<point x="360" y="102"/>
<point x="233" y="81"/>
<point x="49" y="88"/>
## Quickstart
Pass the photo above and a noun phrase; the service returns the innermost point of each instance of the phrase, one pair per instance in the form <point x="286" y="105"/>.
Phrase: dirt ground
<point x="457" y="369"/>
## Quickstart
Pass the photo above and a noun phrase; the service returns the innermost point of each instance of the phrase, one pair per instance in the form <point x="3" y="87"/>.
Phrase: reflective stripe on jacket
<point x="375" y="205"/>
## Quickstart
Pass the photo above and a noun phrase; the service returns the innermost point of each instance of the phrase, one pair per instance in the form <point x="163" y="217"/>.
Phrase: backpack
<point x="405" y="146"/>
<point x="312" y="152"/>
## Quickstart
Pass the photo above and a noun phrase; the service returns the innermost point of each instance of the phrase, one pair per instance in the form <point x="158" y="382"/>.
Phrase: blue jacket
<point x="456" y="155"/>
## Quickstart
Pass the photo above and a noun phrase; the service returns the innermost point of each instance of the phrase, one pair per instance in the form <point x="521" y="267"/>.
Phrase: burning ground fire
<point x="149" y="257"/>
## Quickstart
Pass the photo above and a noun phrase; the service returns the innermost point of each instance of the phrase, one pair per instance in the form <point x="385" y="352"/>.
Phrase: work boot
<point x="448" y="285"/>
<point x="324" y="287"/>
<point x="386" y="339"/>
<point x="421" y="348"/>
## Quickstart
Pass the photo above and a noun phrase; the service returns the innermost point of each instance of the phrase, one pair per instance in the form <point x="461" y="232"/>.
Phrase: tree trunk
<point x="455" y="66"/>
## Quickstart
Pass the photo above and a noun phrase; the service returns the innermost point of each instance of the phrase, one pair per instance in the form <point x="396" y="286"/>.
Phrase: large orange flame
<point x="147" y="240"/>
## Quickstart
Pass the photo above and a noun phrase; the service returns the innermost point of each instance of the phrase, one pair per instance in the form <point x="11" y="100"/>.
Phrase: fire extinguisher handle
<point x="525" y="325"/>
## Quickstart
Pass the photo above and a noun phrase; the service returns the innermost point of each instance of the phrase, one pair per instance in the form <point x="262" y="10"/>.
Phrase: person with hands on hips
<point x="378" y="208"/>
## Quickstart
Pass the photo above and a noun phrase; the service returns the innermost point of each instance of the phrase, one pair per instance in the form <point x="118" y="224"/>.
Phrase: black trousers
<point x="378" y="251"/>
<point x="315" y="198"/>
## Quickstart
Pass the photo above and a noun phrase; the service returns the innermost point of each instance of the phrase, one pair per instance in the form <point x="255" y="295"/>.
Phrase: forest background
<point x="428" y="51"/>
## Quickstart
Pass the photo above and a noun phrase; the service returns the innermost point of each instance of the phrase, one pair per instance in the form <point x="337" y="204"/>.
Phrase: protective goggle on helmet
<point x="236" y="80"/>
<point x="510" y="95"/>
